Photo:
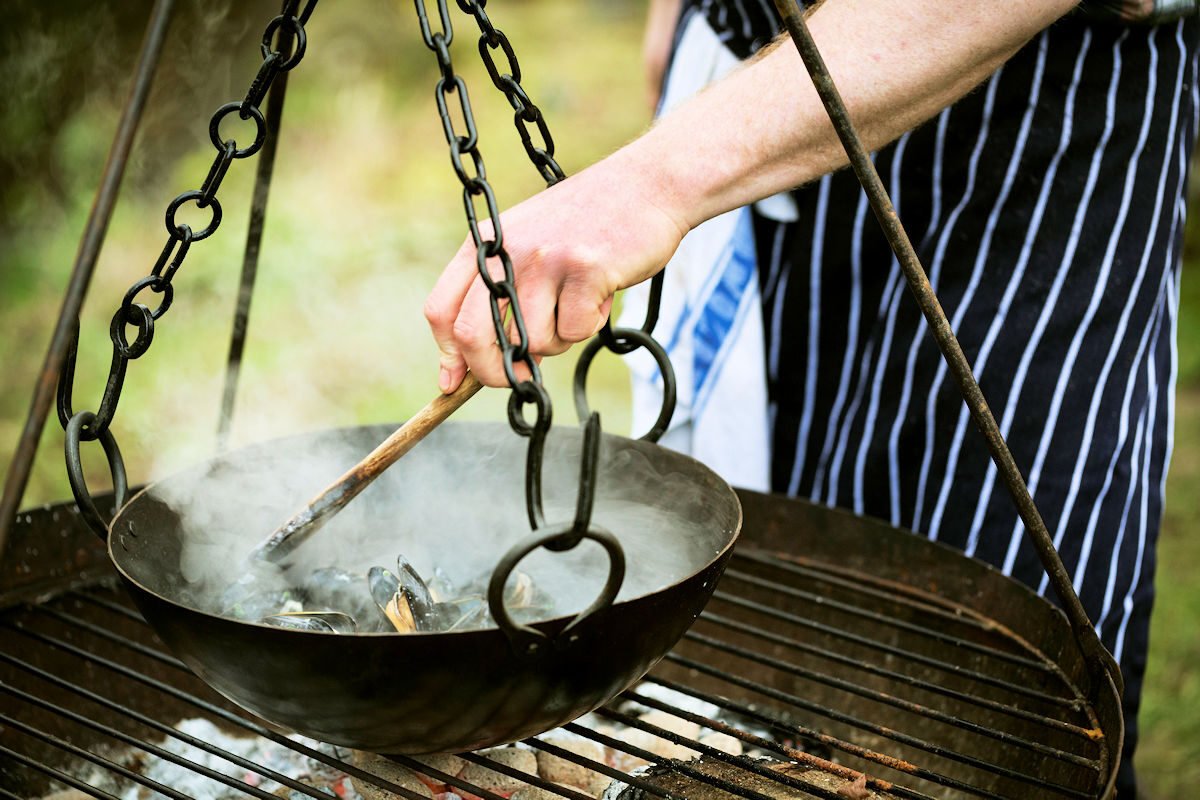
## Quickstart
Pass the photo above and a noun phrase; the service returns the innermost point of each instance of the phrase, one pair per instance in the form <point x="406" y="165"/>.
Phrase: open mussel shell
<point x="404" y="599"/>
<point x="323" y="621"/>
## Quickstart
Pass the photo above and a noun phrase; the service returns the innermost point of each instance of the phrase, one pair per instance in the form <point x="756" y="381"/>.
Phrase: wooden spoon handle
<point x="332" y="499"/>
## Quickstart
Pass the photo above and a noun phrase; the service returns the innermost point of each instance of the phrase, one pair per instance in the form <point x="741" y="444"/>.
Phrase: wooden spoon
<point x="309" y="519"/>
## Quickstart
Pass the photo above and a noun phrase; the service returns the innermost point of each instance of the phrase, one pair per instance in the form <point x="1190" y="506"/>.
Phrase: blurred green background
<point x="364" y="213"/>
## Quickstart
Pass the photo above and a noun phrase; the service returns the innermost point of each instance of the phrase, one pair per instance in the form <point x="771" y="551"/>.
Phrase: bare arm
<point x="760" y="131"/>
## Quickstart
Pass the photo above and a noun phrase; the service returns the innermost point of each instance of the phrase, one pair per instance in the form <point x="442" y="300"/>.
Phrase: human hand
<point x="572" y="247"/>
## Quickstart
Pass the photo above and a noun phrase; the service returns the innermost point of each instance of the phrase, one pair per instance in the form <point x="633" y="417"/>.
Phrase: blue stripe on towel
<point x="723" y="309"/>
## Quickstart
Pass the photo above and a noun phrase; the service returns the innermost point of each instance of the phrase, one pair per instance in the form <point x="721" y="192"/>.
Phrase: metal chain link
<point x="85" y="426"/>
<point x="621" y="341"/>
<point x="506" y="310"/>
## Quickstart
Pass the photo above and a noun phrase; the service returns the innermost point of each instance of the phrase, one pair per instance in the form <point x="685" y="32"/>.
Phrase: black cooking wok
<point x="456" y="502"/>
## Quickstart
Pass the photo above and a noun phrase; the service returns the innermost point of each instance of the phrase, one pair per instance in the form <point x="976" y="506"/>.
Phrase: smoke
<point x="454" y="504"/>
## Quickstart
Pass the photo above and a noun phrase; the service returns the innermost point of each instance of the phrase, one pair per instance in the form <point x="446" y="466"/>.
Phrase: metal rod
<point x="103" y="763"/>
<point x="445" y="777"/>
<point x="887" y="699"/>
<point x="879" y="730"/>
<point x="680" y="767"/>
<point x="258" y="216"/>
<point x="85" y="264"/>
<point x="792" y="729"/>
<point x="152" y="749"/>
<point x="898" y="652"/>
<point x="741" y="762"/>
<point x="1101" y="663"/>
<point x="104" y="633"/>
<point x="599" y="767"/>
<point x="799" y="756"/>
<point x="53" y="774"/>
<point x="524" y="777"/>
<point x="890" y="622"/>
<point x="860" y="586"/>
<point x="907" y="680"/>
<point x="162" y="728"/>
<point x="210" y="708"/>
<point x="116" y="608"/>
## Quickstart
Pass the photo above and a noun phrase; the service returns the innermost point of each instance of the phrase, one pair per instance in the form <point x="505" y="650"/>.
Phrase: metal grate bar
<point x="597" y="766"/>
<point x="53" y="774"/>
<point x="799" y="755"/>
<point x="891" y="700"/>
<point x="862" y="584"/>
<point x="899" y="677"/>
<point x="99" y="761"/>
<point x="116" y="608"/>
<point x="534" y="780"/>
<point x="152" y="749"/>
<point x="158" y="726"/>
<point x="891" y="622"/>
<point x="878" y="730"/>
<point x="104" y="633"/>
<point x="445" y="777"/>
<point x="678" y="766"/>
<point x="892" y="650"/>
<point x="783" y="750"/>
<point x="617" y="775"/>
<point x="741" y="762"/>
<point x="699" y="639"/>
<point x="451" y="780"/>
<point x="217" y="711"/>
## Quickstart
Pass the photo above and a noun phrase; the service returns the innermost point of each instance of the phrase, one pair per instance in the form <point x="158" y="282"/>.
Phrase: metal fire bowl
<point x="426" y="692"/>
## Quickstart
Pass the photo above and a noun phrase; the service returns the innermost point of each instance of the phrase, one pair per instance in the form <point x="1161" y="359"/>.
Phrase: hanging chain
<point x="502" y="292"/>
<point x="621" y="341"/>
<point x="86" y="426"/>
<point x="491" y="41"/>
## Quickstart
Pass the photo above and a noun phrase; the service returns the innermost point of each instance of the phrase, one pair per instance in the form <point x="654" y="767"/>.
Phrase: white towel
<point x="711" y="320"/>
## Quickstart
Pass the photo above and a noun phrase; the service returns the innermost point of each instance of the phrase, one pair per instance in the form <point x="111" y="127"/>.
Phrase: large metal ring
<point x="116" y="467"/>
<point x="526" y="641"/>
<point x="625" y="337"/>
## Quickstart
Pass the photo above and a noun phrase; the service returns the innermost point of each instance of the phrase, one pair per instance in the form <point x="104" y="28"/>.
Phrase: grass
<point x="364" y="213"/>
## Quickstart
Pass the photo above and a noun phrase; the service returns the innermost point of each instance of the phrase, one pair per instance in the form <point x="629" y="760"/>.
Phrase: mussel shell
<point x="323" y="621"/>
<point x="385" y="586"/>
<point x="414" y="585"/>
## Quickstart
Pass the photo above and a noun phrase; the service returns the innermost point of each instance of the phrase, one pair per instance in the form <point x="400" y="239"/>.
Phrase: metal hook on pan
<point x="528" y="642"/>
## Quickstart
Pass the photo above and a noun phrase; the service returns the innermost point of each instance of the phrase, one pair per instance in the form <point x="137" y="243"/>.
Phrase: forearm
<point x="764" y="129"/>
<point x="757" y="132"/>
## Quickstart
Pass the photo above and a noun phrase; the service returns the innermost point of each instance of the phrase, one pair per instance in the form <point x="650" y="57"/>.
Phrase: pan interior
<point x="455" y="503"/>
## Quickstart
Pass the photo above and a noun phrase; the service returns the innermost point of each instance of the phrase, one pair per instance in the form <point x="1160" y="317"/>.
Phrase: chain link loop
<point x="283" y="33"/>
<point x="526" y="114"/>
<point x="505" y="309"/>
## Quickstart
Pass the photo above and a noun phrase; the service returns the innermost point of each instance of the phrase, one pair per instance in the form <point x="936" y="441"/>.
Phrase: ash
<point x="260" y="751"/>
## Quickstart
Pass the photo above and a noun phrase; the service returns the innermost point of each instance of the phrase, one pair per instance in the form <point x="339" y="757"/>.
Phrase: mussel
<point x="323" y="621"/>
<point x="404" y="599"/>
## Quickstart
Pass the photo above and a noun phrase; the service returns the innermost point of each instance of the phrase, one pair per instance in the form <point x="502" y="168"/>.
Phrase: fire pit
<point x="833" y="642"/>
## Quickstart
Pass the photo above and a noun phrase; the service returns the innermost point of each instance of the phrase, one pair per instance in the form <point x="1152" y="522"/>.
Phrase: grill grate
<point x="810" y="660"/>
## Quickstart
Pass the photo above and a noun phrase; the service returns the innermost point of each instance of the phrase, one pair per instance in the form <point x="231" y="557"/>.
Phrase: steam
<point x="455" y="503"/>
